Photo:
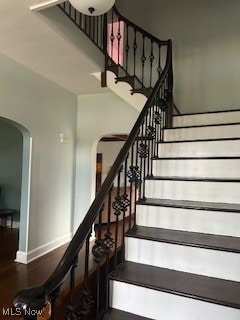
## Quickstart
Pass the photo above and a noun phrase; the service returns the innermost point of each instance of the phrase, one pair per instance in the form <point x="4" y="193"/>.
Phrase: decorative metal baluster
<point x="158" y="120"/>
<point x="100" y="251"/>
<point x="145" y="155"/>
<point x="117" y="211"/>
<point x="124" y="210"/>
<point x="102" y="32"/>
<point x="54" y="297"/>
<point x="99" y="226"/>
<point x="75" y="15"/>
<point x="159" y="69"/>
<point x="151" y="151"/>
<point x="119" y="37"/>
<point x="70" y="306"/>
<point x="69" y="9"/>
<point x="85" y="23"/>
<point x="149" y="134"/>
<point x="151" y="58"/>
<point x="112" y="37"/>
<point x="89" y="26"/>
<point x="97" y="32"/>
<point x="80" y="21"/>
<point x="86" y="302"/>
<point x="94" y="30"/>
<point x="109" y="243"/>
<point x="143" y="58"/>
<point x="135" y="46"/>
<point x="130" y="175"/>
<point x="127" y="47"/>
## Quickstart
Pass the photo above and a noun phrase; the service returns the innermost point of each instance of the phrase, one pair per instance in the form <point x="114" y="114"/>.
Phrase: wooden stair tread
<point x="196" y="205"/>
<point x="179" y="178"/>
<point x="122" y="315"/>
<point x="197" y="158"/>
<point x="213" y="290"/>
<point x="200" y="140"/>
<point x="187" y="238"/>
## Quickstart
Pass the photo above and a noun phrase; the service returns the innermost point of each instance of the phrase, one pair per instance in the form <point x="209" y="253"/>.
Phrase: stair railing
<point x="113" y="211"/>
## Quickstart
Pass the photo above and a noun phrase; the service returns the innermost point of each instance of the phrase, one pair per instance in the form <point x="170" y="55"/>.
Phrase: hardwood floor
<point x="15" y="276"/>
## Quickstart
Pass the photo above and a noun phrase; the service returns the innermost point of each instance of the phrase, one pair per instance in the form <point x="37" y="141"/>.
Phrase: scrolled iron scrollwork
<point x="120" y="204"/>
<point x="143" y="150"/>
<point x="134" y="174"/>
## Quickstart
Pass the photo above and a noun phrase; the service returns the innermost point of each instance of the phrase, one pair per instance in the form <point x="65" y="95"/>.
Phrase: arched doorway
<point x="16" y="163"/>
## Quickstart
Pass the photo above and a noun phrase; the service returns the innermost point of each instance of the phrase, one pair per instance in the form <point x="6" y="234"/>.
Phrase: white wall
<point x="45" y="109"/>
<point x="206" y="47"/>
<point x="98" y="115"/>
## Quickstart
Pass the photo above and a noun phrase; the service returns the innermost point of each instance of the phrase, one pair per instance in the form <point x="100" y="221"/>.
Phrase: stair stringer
<point x="123" y="90"/>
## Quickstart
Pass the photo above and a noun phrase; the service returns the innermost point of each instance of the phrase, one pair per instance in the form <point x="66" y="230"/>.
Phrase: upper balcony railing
<point x="133" y="53"/>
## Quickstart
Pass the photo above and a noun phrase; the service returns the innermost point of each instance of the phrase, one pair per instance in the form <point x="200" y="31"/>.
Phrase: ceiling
<point x="28" y="39"/>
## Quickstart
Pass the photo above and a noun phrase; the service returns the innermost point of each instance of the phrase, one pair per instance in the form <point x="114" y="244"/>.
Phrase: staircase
<point x="172" y="252"/>
<point x="182" y="259"/>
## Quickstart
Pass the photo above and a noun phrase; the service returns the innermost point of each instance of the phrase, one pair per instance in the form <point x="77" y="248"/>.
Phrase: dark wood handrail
<point x="140" y="30"/>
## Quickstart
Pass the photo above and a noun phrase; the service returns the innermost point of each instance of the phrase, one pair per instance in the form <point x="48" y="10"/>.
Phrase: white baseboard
<point x="26" y="257"/>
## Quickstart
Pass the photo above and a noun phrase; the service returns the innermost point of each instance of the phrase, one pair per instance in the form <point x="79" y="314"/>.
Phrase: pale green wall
<point x="206" y="47"/>
<point x="11" y="147"/>
<point x="45" y="109"/>
<point x="98" y="115"/>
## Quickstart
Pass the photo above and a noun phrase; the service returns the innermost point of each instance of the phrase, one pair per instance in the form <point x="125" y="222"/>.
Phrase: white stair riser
<point x="202" y="133"/>
<point x="208" y="118"/>
<point x="203" y="221"/>
<point x="226" y="168"/>
<point x="164" y="306"/>
<point x="212" y="263"/>
<point x="227" y="192"/>
<point x="200" y="149"/>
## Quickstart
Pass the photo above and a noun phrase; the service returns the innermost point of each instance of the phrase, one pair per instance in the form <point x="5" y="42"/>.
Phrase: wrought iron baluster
<point x="54" y="296"/>
<point x="119" y="37"/>
<point x="109" y="243"/>
<point x="127" y="47"/>
<point x="85" y="23"/>
<point x="80" y="21"/>
<point x="135" y="46"/>
<point x="70" y="306"/>
<point x="151" y="151"/>
<point x="143" y="58"/>
<point x="159" y="69"/>
<point x="125" y="209"/>
<point x="86" y="301"/>
<point x="112" y="37"/>
<point x="151" y="58"/>
<point x="75" y="15"/>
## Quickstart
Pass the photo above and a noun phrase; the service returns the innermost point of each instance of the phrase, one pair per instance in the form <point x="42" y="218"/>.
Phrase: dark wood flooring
<point x="15" y="276"/>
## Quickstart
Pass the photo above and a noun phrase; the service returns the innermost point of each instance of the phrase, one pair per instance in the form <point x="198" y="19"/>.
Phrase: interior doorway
<point x="15" y="160"/>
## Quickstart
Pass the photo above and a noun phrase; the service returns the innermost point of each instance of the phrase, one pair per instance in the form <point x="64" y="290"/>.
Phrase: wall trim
<point x="26" y="257"/>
